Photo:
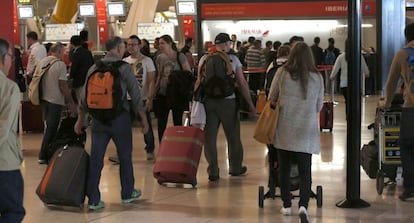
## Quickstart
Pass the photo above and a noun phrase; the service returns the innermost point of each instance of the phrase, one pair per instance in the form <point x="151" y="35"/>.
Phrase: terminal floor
<point x="231" y="199"/>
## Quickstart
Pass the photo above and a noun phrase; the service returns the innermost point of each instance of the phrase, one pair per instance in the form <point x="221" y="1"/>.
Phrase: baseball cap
<point x="222" y="38"/>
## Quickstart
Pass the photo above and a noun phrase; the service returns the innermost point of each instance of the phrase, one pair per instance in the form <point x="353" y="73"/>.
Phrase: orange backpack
<point x="104" y="97"/>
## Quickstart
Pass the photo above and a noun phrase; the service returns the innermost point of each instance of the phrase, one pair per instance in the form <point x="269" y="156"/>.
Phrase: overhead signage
<point x="116" y="8"/>
<point x="318" y="9"/>
<point x="186" y="7"/>
<point x="25" y="11"/>
<point x="87" y="9"/>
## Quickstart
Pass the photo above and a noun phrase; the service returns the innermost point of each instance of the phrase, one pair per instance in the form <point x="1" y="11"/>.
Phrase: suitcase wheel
<point x="319" y="196"/>
<point x="261" y="196"/>
<point x="380" y="181"/>
<point x="194" y="183"/>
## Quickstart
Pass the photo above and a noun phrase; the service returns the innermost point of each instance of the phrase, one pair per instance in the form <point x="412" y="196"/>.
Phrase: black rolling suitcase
<point x="64" y="182"/>
<point x="65" y="136"/>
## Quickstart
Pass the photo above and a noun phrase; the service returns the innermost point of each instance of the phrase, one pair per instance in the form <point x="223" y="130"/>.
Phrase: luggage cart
<point x="388" y="124"/>
<point x="274" y="181"/>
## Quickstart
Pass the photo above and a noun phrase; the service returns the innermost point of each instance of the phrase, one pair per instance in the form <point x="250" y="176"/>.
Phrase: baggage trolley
<point x="388" y="124"/>
<point x="274" y="181"/>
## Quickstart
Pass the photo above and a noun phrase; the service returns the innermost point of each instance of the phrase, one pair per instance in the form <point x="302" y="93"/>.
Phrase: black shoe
<point x="242" y="171"/>
<point x="405" y="195"/>
<point x="213" y="178"/>
<point x="114" y="159"/>
<point x="42" y="161"/>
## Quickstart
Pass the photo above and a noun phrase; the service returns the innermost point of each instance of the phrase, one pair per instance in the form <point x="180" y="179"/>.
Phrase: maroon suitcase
<point x="178" y="156"/>
<point x="326" y="116"/>
<point x="32" y="120"/>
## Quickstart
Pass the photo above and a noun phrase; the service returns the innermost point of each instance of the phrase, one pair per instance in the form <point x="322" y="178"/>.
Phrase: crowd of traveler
<point x="297" y="84"/>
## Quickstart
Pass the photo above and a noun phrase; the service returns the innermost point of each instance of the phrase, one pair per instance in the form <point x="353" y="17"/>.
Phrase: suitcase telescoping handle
<point x="332" y="90"/>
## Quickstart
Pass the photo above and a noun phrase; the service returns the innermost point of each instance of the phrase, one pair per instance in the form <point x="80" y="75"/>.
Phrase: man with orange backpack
<point x="110" y="112"/>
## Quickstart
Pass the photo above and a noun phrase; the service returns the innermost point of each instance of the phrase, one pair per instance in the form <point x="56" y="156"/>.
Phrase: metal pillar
<point x="353" y="176"/>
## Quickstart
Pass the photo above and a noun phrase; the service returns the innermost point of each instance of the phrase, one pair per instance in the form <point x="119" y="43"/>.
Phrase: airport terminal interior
<point x="231" y="199"/>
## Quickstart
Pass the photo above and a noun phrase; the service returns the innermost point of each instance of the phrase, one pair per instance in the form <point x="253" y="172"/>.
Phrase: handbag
<point x="180" y="87"/>
<point x="267" y="123"/>
<point x="198" y="114"/>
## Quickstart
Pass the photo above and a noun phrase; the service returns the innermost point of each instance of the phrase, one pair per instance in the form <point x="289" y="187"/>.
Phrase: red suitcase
<point x="32" y="120"/>
<point x="326" y="116"/>
<point x="178" y="156"/>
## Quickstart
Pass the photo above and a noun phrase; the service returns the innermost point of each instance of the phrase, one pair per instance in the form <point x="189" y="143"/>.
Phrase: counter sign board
<point x="60" y="32"/>
<point x="150" y="31"/>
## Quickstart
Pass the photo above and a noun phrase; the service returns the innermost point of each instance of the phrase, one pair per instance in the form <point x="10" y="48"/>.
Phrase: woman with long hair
<point x="341" y="63"/>
<point x="299" y="87"/>
<point x="168" y="60"/>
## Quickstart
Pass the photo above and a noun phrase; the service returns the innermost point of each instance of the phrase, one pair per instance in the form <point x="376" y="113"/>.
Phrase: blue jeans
<point x="120" y="132"/>
<point x="51" y="116"/>
<point x="11" y="196"/>
<point x="149" y="136"/>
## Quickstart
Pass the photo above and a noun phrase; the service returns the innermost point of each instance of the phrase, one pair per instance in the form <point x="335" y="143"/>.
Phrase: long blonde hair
<point x="299" y="64"/>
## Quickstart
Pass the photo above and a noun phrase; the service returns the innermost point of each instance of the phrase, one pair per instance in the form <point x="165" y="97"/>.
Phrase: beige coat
<point x="298" y="125"/>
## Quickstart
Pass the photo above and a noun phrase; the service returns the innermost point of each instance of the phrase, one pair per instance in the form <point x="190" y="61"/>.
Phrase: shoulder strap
<point x="226" y="58"/>
<point x="178" y="60"/>
<point x="280" y="80"/>
<point x="46" y="67"/>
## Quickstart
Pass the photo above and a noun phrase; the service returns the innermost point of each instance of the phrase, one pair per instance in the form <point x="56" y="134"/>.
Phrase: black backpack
<point x="104" y="97"/>
<point x="217" y="76"/>
<point x="271" y="74"/>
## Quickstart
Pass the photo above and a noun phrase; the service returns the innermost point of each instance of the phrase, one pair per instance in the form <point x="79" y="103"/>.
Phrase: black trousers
<point x="407" y="148"/>
<point x="304" y="161"/>
<point x="162" y="110"/>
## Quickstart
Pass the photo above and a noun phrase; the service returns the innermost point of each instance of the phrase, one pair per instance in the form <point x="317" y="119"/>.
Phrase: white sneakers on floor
<point x="286" y="211"/>
<point x="303" y="213"/>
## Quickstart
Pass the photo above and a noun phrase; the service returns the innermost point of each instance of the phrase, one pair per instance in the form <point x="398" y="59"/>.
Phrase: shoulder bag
<point x="267" y="123"/>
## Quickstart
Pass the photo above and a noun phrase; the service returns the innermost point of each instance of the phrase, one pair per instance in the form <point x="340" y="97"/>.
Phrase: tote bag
<point x="267" y="123"/>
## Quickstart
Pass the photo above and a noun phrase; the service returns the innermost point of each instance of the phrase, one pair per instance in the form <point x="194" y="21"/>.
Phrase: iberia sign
<point x="282" y="9"/>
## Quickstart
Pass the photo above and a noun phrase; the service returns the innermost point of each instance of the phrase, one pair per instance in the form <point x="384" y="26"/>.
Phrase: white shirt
<point x="141" y="66"/>
<point x="342" y="64"/>
<point x="50" y="81"/>
<point x="37" y="52"/>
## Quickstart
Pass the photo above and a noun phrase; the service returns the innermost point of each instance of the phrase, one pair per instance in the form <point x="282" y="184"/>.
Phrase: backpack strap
<point x="226" y="58"/>
<point x="178" y="60"/>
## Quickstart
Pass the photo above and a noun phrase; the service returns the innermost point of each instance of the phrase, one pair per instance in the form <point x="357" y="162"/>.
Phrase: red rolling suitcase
<point x="32" y="120"/>
<point x="64" y="182"/>
<point x="178" y="156"/>
<point x="326" y="116"/>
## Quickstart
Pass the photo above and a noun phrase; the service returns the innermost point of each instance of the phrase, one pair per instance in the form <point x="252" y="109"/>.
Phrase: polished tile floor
<point x="231" y="199"/>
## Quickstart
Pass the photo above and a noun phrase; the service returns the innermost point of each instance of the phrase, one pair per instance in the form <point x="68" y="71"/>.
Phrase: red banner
<point x="16" y="24"/>
<point x="188" y="26"/>
<point x="101" y="16"/>
<point x="282" y="9"/>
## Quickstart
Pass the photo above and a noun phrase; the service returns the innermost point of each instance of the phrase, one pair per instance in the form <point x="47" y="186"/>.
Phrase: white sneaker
<point x="303" y="215"/>
<point x="286" y="211"/>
